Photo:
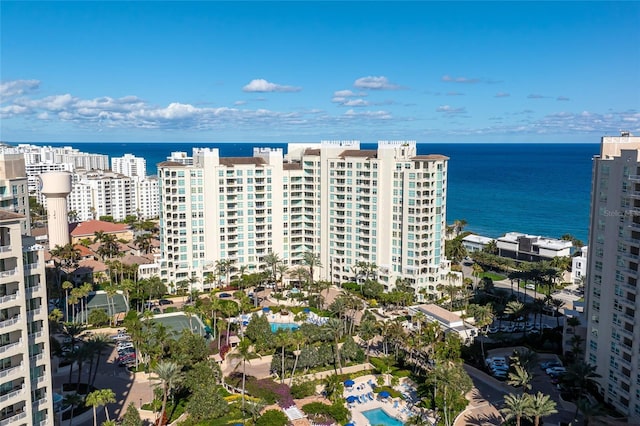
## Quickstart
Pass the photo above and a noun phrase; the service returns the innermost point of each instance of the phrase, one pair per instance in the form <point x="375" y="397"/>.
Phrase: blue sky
<point x="310" y="71"/>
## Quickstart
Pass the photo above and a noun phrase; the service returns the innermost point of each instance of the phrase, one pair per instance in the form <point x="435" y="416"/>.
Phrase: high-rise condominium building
<point x="613" y="329"/>
<point x="130" y="165"/>
<point x="352" y="208"/>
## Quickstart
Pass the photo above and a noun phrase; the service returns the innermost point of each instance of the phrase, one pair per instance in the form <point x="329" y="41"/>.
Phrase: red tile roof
<point x="90" y="227"/>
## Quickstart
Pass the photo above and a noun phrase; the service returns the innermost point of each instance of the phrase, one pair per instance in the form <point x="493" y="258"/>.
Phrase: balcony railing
<point x="30" y="266"/>
<point x="9" y="273"/>
<point x="10" y="346"/>
<point x="9" y="297"/>
<point x="10" y="395"/>
<point x="13" y="419"/>
<point x="11" y="321"/>
<point x="4" y="249"/>
<point x="9" y="371"/>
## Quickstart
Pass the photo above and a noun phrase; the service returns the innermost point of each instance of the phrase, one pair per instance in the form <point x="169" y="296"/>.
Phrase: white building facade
<point x="385" y="207"/>
<point x="611" y="301"/>
<point x="25" y="367"/>
<point x="579" y="266"/>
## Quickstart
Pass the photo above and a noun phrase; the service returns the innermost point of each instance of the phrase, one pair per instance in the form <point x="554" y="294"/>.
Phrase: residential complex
<point x="532" y="248"/>
<point x="97" y="191"/>
<point x="385" y="207"/>
<point x="611" y="301"/>
<point x="25" y="366"/>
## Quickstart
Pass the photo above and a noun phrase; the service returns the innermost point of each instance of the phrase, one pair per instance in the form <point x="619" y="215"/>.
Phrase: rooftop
<point x="90" y="227"/>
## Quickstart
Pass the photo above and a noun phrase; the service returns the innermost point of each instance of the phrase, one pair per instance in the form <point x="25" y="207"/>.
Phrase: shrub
<point x="321" y="412"/>
<point x="98" y="317"/>
<point x="303" y="389"/>
<point x="272" y="418"/>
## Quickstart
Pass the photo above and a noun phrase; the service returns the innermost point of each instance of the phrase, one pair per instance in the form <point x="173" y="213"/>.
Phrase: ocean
<point x="539" y="189"/>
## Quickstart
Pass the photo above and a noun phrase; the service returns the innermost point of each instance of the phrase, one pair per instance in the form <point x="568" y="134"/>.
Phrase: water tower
<point x="56" y="186"/>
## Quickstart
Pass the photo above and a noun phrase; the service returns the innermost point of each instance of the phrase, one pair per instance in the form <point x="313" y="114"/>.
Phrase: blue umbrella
<point x="266" y="309"/>
<point x="351" y="399"/>
<point x="384" y="394"/>
<point x="348" y="383"/>
<point x="349" y="424"/>
<point x="306" y="310"/>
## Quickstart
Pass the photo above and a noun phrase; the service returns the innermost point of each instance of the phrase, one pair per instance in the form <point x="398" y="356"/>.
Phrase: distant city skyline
<point x="306" y="71"/>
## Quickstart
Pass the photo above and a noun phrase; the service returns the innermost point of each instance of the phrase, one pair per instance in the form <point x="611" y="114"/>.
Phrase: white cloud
<point x="17" y="87"/>
<point x="562" y="98"/>
<point x="536" y="96"/>
<point x="448" y="109"/>
<point x="449" y="79"/>
<point x="261" y="85"/>
<point x="502" y="95"/>
<point x="375" y="83"/>
<point x="348" y="94"/>
<point x="240" y="103"/>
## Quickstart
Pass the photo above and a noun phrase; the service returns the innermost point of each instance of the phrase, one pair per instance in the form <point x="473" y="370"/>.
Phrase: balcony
<point x="5" y="249"/>
<point x="9" y="396"/>
<point x="30" y="267"/>
<point x="10" y="346"/>
<point x="9" y="273"/>
<point x="13" y="419"/>
<point x="33" y="289"/>
<point x="11" y="370"/>
<point x="9" y="322"/>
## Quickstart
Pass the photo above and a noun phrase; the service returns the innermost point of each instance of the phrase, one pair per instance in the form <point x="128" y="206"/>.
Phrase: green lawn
<point x="493" y="276"/>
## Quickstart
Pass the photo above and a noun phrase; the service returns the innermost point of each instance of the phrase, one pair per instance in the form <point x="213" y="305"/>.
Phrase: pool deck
<point x="362" y="387"/>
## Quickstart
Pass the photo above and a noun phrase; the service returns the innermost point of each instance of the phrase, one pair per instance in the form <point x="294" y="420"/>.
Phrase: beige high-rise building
<point x="25" y="367"/>
<point x="378" y="213"/>
<point x="611" y="297"/>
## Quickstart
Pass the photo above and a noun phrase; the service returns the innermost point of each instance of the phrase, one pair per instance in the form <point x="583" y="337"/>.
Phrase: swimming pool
<point x="291" y="326"/>
<point x="380" y="417"/>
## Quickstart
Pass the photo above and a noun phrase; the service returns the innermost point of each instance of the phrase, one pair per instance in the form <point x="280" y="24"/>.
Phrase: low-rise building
<point x="532" y="248"/>
<point x="579" y="266"/>
<point x="473" y="242"/>
<point x="449" y="322"/>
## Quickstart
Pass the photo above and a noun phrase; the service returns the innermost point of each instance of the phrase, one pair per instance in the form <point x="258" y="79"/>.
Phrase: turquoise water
<point x="275" y="326"/>
<point x="380" y="417"/>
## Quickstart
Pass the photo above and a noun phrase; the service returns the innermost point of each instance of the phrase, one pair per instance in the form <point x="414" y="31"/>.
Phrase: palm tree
<point x="333" y="388"/>
<point x="243" y="354"/>
<point x="557" y="304"/>
<point x="516" y="406"/>
<point x="540" y="405"/>
<point x="98" y="398"/>
<point x="300" y="339"/>
<point x="283" y="339"/>
<point x="335" y="328"/>
<point x="73" y="400"/>
<point x="169" y="375"/>
<point x="223" y="267"/>
<point x="312" y="261"/>
<point x="272" y="260"/>
<point x="99" y="343"/>
<point x="483" y="316"/>
<point x="66" y="286"/>
<point x="514" y="308"/>
<point x="520" y="377"/>
<point x="580" y="375"/>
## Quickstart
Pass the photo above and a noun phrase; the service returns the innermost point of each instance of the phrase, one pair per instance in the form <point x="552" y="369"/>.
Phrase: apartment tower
<point x="352" y="208"/>
<point x="25" y="361"/>
<point x="613" y="330"/>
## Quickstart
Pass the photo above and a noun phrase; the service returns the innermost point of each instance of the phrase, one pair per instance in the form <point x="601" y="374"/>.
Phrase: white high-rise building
<point x="611" y="296"/>
<point x="351" y="207"/>
<point x="130" y="165"/>
<point x="25" y="367"/>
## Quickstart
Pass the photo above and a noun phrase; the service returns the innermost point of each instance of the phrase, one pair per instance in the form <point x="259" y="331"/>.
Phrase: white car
<point x="124" y="345"/>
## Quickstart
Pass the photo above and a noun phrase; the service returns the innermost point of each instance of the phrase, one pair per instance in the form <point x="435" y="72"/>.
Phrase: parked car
<point x="550" y="364"/>
<point x="165" y="302"/>
<point x="556" y="370"/>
